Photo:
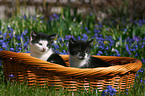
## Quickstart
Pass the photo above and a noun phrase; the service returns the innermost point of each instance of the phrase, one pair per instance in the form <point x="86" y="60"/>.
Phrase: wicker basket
<point x="38" y="72"/>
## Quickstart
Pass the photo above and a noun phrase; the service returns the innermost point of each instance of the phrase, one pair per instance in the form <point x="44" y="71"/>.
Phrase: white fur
<point x="75" y="62"/>
<point x="37" y="50"/>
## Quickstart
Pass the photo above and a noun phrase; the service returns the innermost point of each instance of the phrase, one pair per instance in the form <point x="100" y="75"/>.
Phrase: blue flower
<point x="26" y="45"/>
<point x="100" y="52"/>
<point x="137" y="75"/>
<point x="51" y="18"/>
<point x="60" y="39"/>
<point x="0" y="63"/>
<point x="144" y="39"/>
<point x="79" y="38"/>
<point x="136" y="38"/>
<point x="25" y="32"/>
<point x="12" y="49"/>
<point x="5" y="35"/>
<point x="143" y="60"/>
<point x="67" y="37"/>
<point x="55" y="46"/>
<point x="118" y="54"/>
<point x="125" y="30"/>
<point x="19" y="48"/>
<point x="11" y="76"/>
<point x="87" y="30"/>
<point x="109" y="91"/>
<point x="126" y="92"/>
<point x="24" y="16"/>
<point x="56" y="16"/>
<point x="4" y="45"/>
<point x="143" y="21"/>
<point x="85" y="37"/>
<point x="136" y="54"/>
<point x="97" y="31"/>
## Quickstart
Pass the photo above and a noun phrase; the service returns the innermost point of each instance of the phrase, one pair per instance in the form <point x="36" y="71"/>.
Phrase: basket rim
<point x="25" y="58"/>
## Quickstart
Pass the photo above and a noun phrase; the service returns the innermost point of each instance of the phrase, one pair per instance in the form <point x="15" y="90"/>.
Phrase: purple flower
<point x="60" y="39"/>
<point x="4" y="45"/>
<point x="136" y="38"/>
<point x="143" y="60"/>
<point x="87" y="30"/>
<point x="137" y="75"/>
<point x="11" y="76"/>
<point x="144" y="39"/>
<point x="85" y="37"/>
<point x="109" y="91"/>
<point x="26" y="45"/>
<point x="136" y="54"/>
<point x="67" y="37"/>
<point x="0" y="63"/>
<point x="97" y="31"/>
<point x="56" y="16"/>
<point x="118" y="55"/>
<point x="125" y="30"/>
<point x="24" y="16"/>
<point x="141" y="80"/>
<point x="100" y="52"/>
<point x="51" y="18"/>
<point x="5" y="35"/>
<point x="143" y="21"/>
<point x="25" y="32"/>
<point x="12" y="49"/>
<point x="79" y="38"/>
<point x="140" y="70"/>
<point x="55" y="46"/>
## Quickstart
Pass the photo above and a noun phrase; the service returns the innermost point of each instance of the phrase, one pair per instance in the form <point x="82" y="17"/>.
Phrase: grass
<point x="110" y="39"/>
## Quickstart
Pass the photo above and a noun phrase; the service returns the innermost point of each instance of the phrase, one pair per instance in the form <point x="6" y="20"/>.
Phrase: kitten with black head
<point x="41" y="47"/>
<point x="79" y="55"/>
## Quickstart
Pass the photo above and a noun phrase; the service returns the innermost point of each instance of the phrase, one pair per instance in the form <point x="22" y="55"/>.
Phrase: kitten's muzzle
<point x="80" y="57"/>
<point x="43" y="50"/>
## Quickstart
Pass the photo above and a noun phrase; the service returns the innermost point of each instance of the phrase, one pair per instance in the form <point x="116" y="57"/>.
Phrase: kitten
<point x="41" y="47"/>
<point x="79" y="52"/>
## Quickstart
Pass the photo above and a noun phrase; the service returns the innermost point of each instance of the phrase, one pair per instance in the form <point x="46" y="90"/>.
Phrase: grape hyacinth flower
<point x="11" y="76"/>
<point x="87" y="30"/>
<point x="110" y="91"/>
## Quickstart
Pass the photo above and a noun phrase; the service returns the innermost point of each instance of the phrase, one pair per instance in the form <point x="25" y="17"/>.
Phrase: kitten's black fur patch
<point x="54" y="58"/>
<point x="95" y="62"/>
<point x="79" y="48"/>
<point x="42" y="36"/>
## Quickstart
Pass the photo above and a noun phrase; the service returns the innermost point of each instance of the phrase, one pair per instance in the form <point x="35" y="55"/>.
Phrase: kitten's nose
<point x="81" y="57"/>
<point x="44" y="49"/>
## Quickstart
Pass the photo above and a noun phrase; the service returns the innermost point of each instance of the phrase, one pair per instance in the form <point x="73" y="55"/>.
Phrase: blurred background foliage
<point x="117" y="11"/>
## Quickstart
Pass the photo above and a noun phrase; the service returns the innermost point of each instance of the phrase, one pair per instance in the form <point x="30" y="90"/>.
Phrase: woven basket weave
<point x="38" y="72"/>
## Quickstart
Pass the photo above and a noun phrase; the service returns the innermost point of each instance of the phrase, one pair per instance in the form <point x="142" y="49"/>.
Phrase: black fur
<point x="55" y="58"/>
<point x="95" y="62"/>
<point x="79" y="48"/>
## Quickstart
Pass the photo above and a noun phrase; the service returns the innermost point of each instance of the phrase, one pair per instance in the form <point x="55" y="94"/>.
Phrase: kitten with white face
<point x="41" y="47"/>
<point x="79" y="52"/>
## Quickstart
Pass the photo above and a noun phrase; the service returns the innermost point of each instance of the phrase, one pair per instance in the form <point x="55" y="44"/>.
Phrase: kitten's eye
<point x="48" y="44"/>
<point x="87" y="50"/>
<point x="40" y="43"/>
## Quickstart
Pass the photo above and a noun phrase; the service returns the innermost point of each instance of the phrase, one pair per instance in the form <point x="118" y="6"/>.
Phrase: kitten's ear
<point x="91" y="41"/>
<point x="71" y="41"/>
<point x="33" y="34"/>
<point x="52" y="36"/>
